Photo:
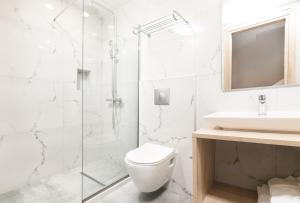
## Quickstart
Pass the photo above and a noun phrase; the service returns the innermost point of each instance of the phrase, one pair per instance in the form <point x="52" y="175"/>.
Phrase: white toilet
<point x="150" y="166"/>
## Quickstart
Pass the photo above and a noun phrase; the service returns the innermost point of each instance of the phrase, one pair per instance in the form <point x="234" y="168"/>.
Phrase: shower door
<point x="109" y="82"/>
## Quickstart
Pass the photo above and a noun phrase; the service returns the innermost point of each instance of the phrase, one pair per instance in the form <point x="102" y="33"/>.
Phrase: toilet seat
<point x="149" y="154"/>
<point x="150" y="166"/>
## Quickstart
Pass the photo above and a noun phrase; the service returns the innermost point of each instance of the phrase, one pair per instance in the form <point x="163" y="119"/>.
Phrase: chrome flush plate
<point x="162" y="96"/>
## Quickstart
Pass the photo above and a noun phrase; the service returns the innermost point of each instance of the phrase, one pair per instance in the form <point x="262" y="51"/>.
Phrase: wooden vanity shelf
<point x="205" y="189"/>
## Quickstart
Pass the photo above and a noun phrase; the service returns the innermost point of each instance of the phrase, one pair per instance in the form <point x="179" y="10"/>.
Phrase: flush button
<point x="162" y="96"/>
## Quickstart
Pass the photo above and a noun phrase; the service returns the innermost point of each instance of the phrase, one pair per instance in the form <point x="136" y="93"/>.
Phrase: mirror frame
<point x="288" y="15"/>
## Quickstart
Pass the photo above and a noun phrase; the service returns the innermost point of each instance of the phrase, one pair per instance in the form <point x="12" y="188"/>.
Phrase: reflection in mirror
<point x="256" y="53"/>
<point x="260" y="43"/>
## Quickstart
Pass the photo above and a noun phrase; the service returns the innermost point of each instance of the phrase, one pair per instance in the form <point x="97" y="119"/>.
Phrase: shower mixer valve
<point x="117" y="100"/>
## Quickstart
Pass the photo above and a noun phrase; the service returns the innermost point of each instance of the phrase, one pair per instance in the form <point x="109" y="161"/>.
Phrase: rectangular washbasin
<point x="272" y="121"/>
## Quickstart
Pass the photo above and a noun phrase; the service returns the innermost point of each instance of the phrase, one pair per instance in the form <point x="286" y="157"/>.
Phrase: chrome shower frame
<point x="115" y="100"/>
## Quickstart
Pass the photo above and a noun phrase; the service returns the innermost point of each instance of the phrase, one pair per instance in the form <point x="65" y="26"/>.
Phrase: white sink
<point x="273" y="121"/>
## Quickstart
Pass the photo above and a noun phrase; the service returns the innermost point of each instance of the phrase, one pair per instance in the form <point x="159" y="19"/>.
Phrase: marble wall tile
<point x="40" y="108"/>
<point x="163" y="125"/>
<point x="156" y="68"/>
<point x="167" y="61"/>
<point x="39" y="63"/>
<point x="72" y="146"/>
<point x="234" y="163"/>
<point x="243" y="163"/>
<point x="100" y="139"/>
<point x="249" y="165"/>
<point x="158" y="60"/>
<point x="21" y="147"/>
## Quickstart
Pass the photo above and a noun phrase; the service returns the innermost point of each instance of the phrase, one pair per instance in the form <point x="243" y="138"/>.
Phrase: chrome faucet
<point x="262" y="104"/>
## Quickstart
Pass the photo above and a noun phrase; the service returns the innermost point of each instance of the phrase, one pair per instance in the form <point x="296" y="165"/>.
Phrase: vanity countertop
<point x="272" y="138"/>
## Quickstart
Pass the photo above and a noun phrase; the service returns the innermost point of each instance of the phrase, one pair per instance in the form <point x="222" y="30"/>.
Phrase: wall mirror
<point x="261" y="43"/>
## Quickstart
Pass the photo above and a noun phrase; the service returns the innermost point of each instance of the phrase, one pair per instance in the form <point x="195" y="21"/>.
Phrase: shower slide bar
<point x="166" y="22"/>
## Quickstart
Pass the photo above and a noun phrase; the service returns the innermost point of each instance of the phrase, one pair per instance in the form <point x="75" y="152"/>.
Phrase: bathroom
<point x="85" y="84"/>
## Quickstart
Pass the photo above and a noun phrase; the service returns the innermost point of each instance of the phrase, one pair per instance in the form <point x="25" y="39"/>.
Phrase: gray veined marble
<point x="128" y="193"/>
<point x="66" y="187"/>
<point x="162" y="125"/>
<point x="248" y="165"/>
<point x="36" y="116"/>
<point x="61" y="188"/>
<point x="47" y="133"/>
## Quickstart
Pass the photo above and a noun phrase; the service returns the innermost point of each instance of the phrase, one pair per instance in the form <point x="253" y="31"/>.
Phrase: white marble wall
<point x="40" y="119"/>
<point x="171" y="125"/>
<point x="239" y="12"/>
<point x="233" y="163"/>
<point x="168" y="60"/>
<point x="163" y="66"/>
<point x="100" y="139"/>
<point x="40" y="106"/>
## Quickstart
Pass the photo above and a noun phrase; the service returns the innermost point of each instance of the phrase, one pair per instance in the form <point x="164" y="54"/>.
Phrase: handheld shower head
<point x="113" y="52"/>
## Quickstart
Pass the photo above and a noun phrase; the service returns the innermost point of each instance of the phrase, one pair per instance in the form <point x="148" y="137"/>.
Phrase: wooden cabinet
<point x="205" y="189"/>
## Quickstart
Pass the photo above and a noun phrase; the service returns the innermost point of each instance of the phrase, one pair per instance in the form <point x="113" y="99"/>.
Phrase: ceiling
<point x="113" y="4"/>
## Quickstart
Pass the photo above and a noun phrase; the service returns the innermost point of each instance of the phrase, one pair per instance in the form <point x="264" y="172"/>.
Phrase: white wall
<point x="100" y="139"/>
<point x="235" y="12"/>
<point x="172" y="125"/>
<point x="40" y="121"/>
<point x="40" y="131"/>
<point x="168" y="60"/>
<point x="53" y="66"/>
<point x="234" y="165"/>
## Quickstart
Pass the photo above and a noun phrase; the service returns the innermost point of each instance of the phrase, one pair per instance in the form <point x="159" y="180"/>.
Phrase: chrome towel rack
<point x="164" y="23"/>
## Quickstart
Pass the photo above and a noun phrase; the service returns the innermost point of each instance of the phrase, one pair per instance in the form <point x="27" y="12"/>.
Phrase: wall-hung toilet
<point x="150" y="166"/>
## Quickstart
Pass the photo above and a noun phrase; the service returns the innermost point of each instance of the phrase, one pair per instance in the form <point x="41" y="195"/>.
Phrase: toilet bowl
<point x="150" y="166"/>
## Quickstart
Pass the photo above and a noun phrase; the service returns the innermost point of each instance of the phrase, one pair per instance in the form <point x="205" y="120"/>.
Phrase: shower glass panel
<point x="110" y="98"/>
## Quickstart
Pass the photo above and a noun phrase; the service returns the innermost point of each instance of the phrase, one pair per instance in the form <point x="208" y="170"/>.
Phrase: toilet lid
<point x="149" y="154"/>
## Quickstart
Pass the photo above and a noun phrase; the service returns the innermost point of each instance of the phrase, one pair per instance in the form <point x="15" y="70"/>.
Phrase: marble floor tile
<point x="67" y="187"/>
<point x="105" y="170"/>
<point x="128" y="193"/>
<point x="60" y="188"/>
<point x="102" y="173"/>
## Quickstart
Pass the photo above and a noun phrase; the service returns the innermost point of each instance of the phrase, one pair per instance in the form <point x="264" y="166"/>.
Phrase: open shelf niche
<point x="205" y="188"/>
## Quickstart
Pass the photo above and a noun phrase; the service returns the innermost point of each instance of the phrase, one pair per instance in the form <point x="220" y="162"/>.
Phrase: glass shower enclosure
<point x="69" y="99"/>
<point x="109" y="84"/>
